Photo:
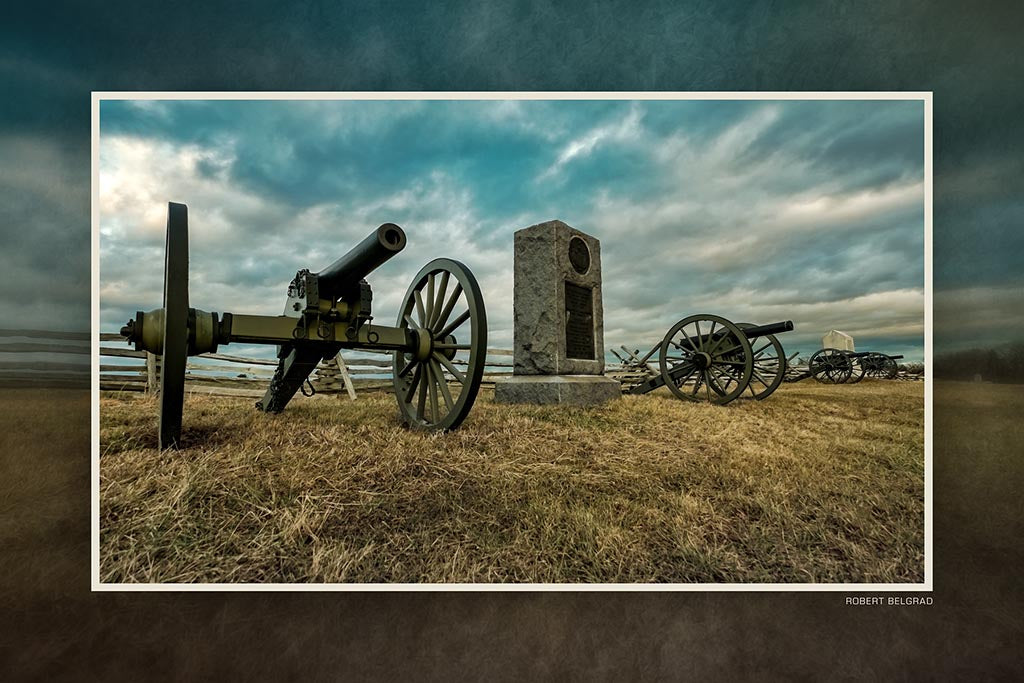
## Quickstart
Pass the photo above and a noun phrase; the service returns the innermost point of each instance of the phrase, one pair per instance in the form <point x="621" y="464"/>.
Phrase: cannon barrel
<point x="770" y="328"/>
<point x="899" y="357"/>
<point x="361" y="260"/>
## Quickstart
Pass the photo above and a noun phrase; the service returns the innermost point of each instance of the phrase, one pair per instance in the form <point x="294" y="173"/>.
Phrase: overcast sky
<point x="754" y="210"/>
<point x="49" y="67"/>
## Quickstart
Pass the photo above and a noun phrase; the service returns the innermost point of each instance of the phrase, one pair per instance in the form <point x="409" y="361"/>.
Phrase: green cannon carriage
<point x="717" y="362"/>
<point x="838" y="366"/>
<point x="438" y="343"/>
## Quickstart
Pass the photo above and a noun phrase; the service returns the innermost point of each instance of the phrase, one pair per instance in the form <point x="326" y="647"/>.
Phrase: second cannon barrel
<point x="770" y="328"/>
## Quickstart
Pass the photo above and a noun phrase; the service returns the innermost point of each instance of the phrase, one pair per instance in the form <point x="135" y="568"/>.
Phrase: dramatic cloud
<point x="48" y="71"/>
<point x="758" y="211"/>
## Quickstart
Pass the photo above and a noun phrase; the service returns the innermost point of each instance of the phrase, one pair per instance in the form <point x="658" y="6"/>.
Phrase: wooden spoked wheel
<point x="830" y="366"/>
<point x="769" y="364"/>
<point x="858" y="368"/>
<point x="706" y="357"/>
<point x="881" y="366"/>
<point x="437" y="380"/>
<point x="175" y="332"/>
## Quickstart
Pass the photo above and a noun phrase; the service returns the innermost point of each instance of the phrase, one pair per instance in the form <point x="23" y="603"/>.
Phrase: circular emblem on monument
<point x="579" y="255"/>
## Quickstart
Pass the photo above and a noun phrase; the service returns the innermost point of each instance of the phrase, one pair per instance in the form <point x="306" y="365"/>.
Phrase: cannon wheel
<point x="444" y="311"/>
<point x="888" y="367"/>
<point x="716" y="356"/>
<point x="872" y="365"/>
<point x="769" y="364"/>
<point x="175" y="353"/>
<point x="882" y="366"/>
<point x="858" y="368"/>
<point x="830" y="366"/>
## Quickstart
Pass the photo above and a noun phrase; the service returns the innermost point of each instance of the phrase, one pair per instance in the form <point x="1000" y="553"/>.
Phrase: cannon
<point x="837" y="366"/>
<point x="880" y="365"/>
<point x="718" y="362"/>
<point x="438" y="342"/>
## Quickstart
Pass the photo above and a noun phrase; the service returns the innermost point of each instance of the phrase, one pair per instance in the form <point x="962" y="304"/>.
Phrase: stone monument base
<point x="575" y="390"/>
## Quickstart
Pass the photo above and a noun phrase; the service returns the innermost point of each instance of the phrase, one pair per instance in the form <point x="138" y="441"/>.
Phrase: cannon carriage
<point x="438" y="342"/>
<point x="706" y="357"/>
<point x="837" y="366"/>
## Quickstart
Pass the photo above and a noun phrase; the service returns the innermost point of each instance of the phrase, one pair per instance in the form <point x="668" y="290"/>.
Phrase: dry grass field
<point x="817" y="484"/>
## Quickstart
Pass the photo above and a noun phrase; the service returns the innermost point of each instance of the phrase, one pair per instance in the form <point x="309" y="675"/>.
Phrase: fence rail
<point x="43" y="358"/>
<point x="212" y="373"/>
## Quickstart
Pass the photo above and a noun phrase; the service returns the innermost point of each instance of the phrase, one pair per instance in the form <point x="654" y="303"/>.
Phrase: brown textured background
<point x="51" y="626"/>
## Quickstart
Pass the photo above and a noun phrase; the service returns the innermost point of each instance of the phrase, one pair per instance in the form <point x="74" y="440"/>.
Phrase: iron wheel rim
<point x="175" y="332"/>
<point x="729" y="361"/>
<point x="432" y="306"/>
<point x="766" y="366"/>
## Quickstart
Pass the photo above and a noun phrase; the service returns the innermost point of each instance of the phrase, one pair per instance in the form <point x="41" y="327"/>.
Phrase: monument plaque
<point x="558" y="346"/>
<point x="579" y="322"/>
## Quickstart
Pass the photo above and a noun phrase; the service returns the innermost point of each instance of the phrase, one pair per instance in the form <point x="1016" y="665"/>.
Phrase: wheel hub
<point x="424" y="345"/>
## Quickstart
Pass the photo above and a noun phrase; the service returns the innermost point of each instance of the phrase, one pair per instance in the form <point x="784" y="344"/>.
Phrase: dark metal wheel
<point x="872" y="364"/>
<point x="175" y="332"/>
<point x="858" y="368"/>
<point x="886" y="367"/>
<point x="706" y="354"/>
<point x="437" y="382"/>
<point x="769" y="364"/>
<point x="830" y="366"/>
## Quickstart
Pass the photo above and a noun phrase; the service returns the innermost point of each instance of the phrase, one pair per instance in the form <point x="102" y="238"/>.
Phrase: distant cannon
<point x="836" y="366"/>
<point x="718" y="362"/>
<point x="437" y="330"/>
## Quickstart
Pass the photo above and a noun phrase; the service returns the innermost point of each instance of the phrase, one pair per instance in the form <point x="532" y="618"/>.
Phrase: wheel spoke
<point x="442" y="384"/>
<point x="407" y="368"/>
<point x="419" y="307"/>
<point x="682" y="378"/>
<point x="422" y="404"/>
<point x="453" y="347"/>
<point x="682" y="348"/>
<point x="442" y="318"/>
<point x="442" y="290"/>
<point x="453" y="325"/>
<point x="428" y="308"/>
<point x="680" y="366"/>
<point x="729" y="379"/>
<point x="432" y="385"/>
<point x="415" y="382"/>
<point x="451" y="368"/>
<point x="730" y="350"/>
<point x="689" y="341"/>
<point x="711" y="351"/>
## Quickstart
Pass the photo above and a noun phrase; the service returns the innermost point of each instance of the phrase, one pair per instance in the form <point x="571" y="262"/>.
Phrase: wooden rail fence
<point x="231" y="375"/>
<point x="41" y="358"/>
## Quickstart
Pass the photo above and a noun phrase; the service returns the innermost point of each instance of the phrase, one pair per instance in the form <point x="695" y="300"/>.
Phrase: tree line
<point x="990" y="365"/>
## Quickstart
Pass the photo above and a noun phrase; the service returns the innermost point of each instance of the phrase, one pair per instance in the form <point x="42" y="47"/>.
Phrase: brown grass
<point x="816" y="484"/>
